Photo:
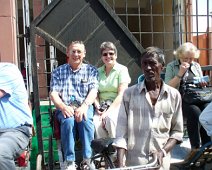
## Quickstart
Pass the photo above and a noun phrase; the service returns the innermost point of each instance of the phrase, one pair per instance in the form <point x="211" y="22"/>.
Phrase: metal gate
<point x="162" y="23"/>
<point x="92" y="22"/>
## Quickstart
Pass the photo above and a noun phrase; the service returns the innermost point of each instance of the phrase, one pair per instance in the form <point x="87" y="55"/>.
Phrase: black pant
<point x="195" y="130"/>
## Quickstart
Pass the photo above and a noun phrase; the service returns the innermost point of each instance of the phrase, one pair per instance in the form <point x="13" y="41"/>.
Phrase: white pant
<point x="110" y="125"/>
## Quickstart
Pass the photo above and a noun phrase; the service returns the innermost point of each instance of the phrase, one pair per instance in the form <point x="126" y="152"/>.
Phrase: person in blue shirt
<point x="73" y="89"/>
<point x="15" y="116"/>
<point x="205" y="119"/>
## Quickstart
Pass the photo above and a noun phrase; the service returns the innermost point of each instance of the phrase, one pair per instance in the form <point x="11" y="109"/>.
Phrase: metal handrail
<point x="207" y="68"/>
<point x="153" y="164"/>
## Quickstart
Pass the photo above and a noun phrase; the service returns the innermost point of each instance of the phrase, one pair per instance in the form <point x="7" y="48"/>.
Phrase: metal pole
<point x="36" y="91"/>
<point x="27" y="44"/>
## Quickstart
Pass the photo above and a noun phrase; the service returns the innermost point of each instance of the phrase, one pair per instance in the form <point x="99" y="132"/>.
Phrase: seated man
<point x="150" y="117"/>
<point x="15" y="116"/>
<point x="73" y="89"/>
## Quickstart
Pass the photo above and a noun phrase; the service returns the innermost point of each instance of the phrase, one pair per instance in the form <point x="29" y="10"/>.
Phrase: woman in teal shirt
<point x="178" y="72"/>
<point x="113" y="80"/>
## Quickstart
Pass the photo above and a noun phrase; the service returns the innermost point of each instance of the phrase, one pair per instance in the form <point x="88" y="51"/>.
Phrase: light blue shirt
<point x="14" y="108"/>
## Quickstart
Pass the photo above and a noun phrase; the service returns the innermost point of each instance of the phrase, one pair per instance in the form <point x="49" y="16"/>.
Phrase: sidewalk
<point x="180" y="151"/>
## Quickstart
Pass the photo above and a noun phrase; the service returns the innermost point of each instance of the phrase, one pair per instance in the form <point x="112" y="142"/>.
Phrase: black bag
<point x="103" y="145"/>
<point x="193" y="94"/>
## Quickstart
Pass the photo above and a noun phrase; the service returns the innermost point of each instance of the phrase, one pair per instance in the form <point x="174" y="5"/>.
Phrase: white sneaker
<point x="70" y="165"/>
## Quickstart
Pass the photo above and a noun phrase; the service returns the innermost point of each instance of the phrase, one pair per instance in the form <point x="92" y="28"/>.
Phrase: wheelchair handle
<point x="153" y="164"/>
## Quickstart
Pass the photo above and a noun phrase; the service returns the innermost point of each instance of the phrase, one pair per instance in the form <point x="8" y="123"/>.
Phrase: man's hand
<point x="160" y="156"/>
<point x="167" y="148"/>
<point x="81" y="113"/>
<point x="67" y="111"/>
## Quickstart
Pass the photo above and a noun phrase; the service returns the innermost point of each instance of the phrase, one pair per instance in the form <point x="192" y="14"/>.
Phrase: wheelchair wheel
<point x="39" y="162"/>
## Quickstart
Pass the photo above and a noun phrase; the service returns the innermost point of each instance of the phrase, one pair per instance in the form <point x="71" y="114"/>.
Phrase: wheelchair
<point x="103" y="149"/>
<point x="201" y="160"/>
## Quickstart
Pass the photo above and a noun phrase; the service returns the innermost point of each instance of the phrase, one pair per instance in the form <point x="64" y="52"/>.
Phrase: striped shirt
<point x="74" y="83"/>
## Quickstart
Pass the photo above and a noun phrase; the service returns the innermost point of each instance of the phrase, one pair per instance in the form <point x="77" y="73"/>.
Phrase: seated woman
<point x="113" y="80"/>
<point x="182" y="70"/>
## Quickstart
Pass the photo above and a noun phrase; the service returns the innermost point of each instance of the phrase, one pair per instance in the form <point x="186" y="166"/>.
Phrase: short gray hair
<point x="74" y="42"/>
<point x="108" y="45"/>
<point x="156" y="53"/>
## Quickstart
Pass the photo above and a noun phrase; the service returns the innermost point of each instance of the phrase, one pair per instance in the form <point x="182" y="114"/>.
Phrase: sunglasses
<point x="105" y="54"/>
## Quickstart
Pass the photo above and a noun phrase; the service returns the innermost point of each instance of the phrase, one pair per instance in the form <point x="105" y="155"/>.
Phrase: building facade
<point x="162" y="23"/>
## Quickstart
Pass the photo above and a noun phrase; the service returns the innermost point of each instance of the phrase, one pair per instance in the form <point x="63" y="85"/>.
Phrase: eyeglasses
<point x="105" y="54"/>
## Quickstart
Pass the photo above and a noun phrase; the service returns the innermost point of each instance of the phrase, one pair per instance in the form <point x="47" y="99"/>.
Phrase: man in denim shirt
<point x="73" y="90"/>
<point x="15" y="116"/>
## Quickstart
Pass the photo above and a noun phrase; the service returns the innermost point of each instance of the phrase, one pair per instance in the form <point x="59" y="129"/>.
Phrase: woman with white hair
<point x="182" y="70"/>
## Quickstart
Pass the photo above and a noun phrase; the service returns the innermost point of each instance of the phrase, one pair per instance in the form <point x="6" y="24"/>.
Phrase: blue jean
<point x="12" y="143"/>
<point x="68" y="128"/>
